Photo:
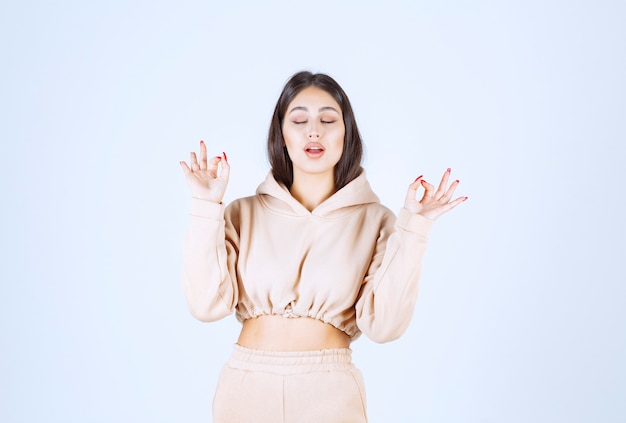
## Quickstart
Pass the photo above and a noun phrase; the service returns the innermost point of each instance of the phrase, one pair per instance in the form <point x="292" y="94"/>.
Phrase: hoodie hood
<point x="277" y="198"/>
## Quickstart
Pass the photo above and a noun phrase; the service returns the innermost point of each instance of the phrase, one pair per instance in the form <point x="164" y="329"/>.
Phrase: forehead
<point x="313" y="99"/>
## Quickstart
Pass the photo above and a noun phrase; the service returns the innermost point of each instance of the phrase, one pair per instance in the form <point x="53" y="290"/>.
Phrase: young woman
<point x="308" y="263"/>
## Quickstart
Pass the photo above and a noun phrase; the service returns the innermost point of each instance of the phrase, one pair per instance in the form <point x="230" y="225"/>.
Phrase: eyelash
<point x="323" y="121"/>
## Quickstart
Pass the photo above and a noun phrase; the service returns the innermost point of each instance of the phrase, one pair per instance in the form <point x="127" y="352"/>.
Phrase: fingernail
<point x="465" y="199"/>
<point x="449" y="170"/>
<point x="225" y="157"/>
<point x="201" y="142"/>
<point x="457" y="181"/>
<point x="417" y="178"/>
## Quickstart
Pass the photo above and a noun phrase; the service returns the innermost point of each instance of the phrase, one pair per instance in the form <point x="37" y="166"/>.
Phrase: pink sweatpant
<point x="290" y="387"/>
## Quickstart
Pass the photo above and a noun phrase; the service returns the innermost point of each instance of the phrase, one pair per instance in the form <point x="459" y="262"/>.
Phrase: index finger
<point x="441" y="189"/>
<point x="203" y="157"/>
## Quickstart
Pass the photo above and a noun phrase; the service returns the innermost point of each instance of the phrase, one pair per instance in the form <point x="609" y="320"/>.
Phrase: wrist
<point x="206" y="208"/>
<point x="208" y="199"/>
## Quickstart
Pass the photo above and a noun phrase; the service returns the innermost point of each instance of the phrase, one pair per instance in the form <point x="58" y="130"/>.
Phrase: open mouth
<point x="314" y="149"/>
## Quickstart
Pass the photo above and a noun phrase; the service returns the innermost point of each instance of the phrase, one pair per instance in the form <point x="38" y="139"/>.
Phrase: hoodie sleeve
<point x="387" y="299"/>
<point x="209" y="258"/>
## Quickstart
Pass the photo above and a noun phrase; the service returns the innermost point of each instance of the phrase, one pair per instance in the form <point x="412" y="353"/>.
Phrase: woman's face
<point x="314" y="132"/>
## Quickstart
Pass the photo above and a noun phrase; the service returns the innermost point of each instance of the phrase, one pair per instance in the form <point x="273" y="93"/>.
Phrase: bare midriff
<point x="278" y="333"/>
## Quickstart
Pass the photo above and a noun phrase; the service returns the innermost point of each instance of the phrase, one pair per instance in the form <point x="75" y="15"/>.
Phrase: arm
<point x="210" y="291"/>
<point x="389" y="293"/>
<point x="208" y="258"/>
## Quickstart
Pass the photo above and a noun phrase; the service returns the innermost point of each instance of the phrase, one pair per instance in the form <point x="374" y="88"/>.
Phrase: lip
<point x="314" y="150"/>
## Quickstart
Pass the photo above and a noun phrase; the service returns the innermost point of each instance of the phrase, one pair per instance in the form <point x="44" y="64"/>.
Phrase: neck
<point x="312" y="190"/>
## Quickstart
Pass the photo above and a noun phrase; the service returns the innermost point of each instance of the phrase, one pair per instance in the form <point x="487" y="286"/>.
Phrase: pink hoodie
<point x="348" y="263"/>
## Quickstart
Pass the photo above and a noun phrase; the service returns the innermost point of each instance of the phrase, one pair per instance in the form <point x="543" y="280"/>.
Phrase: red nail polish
<point x="465" y="199"/>
<point x="457" y="181"/>
<point x="449" y="170"/>
<point x="225" y="157"/>
<point x="417" y="178"/>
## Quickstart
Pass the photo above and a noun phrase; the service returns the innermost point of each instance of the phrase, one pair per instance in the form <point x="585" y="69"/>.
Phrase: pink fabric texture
<point x="290" y="387"/>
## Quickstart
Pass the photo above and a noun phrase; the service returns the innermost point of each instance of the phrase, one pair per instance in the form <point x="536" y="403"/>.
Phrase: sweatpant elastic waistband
<point x="290" y="362"/>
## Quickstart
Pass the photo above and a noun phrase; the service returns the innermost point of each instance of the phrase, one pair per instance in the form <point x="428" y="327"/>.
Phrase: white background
<point x="521" y="316"/>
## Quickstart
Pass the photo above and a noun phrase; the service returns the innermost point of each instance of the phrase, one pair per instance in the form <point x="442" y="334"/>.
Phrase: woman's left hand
<point x="434" y="203"/>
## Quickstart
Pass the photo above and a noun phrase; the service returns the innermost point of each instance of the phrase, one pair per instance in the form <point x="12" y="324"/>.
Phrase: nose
<point x="313" y="134"/>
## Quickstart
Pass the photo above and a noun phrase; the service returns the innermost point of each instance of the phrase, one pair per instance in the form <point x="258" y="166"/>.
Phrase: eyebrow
<point x="321" y="109"/>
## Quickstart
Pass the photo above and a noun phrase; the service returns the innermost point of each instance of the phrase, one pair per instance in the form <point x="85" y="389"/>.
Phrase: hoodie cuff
<point x="415" y="223"/>
<point x="207" y="209"/>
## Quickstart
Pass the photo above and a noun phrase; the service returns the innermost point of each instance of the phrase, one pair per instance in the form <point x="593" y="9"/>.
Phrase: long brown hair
<point x="349" y="165"/>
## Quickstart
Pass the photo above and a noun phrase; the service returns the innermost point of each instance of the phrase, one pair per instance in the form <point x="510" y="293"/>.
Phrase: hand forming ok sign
<point x="434" y="203"/>
<point x="203" y="179"/>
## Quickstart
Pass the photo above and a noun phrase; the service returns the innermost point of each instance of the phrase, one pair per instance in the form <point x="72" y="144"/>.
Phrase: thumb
<point x="225" y="167"/>
<point x="412" y="191"/>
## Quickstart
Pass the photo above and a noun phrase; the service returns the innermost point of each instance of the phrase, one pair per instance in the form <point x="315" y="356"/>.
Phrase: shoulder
<point x="241" y="204"/>
<point x="239" y="211"/>
<point x="378" y="215"/>
<point x="379" y="209"/>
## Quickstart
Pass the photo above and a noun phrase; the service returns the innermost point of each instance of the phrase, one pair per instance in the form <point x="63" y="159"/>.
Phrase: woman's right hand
<point x="203" y="179"/>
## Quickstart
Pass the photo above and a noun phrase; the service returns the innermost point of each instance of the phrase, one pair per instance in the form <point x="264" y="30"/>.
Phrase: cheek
<point x="287" y="137"/>
<point x="289" y="143"/>
<point x="338" y="147"/>
<point x="340" y="138"/>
